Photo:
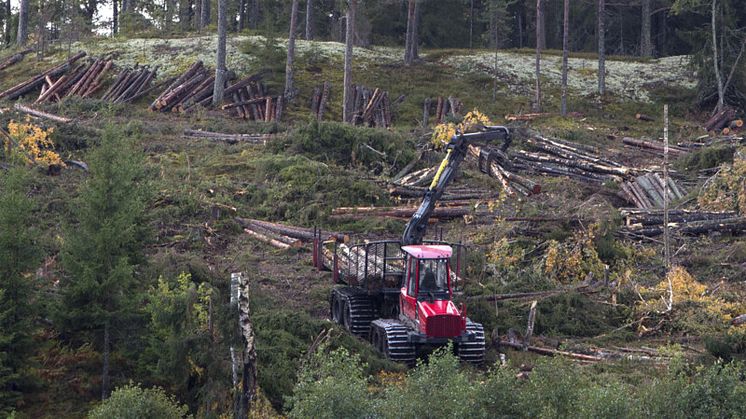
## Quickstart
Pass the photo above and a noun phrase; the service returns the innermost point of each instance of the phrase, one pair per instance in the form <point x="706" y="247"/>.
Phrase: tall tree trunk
<point x="219" y="87"/>
<point x="105" y="369"/>
<point x="349" y="39"/>
<point x="253" y="14"/>
<point x="565" y="52"/>
<point x="249" y="373"/>
<point x="410" y="30"/>
<point x="471" y="23"/>
<point x="309" y="20"/>
<point x="537" y="98"/>
<point x="22" y="35"/>
<point x="241" y="15"/>
<point x="7" y="22"/>
<point x="289" y="90"/>
<point x="715" y="62"/>
<point x="646" y="46"/>
<point x="520" y="29"/>
<point x="601" y="47"/>
<point x="114" y="17"/>
<point x="541" y="26"/>
<point x="416" y="32"/>
<point x="204" y="19"/>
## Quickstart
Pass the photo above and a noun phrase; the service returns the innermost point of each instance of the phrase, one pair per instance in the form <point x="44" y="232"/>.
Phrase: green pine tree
<point x="100" y="291"/>
<point x="18" y="257"/>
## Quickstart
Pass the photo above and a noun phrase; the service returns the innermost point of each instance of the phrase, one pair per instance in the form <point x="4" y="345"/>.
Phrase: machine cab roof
<point x="428" y="251"/>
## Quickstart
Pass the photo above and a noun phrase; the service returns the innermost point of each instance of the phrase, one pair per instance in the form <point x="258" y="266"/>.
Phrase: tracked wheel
<point x="353" y="310"/>
<point x="390" y="338"/>
<point x="472" y="351"/>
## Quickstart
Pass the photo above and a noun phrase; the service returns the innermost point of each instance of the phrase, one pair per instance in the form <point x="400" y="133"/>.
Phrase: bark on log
<point x="643" y="117"/>
<point x="35" y="82"/>
<point x="14" y="59"/>
<point x="40" y="114"/>
<point x="652" y="145"/>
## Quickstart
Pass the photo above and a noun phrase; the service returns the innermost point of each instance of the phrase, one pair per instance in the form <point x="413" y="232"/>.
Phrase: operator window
<point x="411" y="280"/>
<point x="433" y="275"/>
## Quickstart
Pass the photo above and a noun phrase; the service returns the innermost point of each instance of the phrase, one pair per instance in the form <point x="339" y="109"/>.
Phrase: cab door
<point x="408" y="298"/>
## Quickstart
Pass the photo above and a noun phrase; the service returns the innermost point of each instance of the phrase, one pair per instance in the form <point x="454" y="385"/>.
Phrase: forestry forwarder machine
<point x="398" y="294"/>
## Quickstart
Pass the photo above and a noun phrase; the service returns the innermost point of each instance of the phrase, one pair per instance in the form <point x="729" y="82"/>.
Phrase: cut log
<point x="739" y="320"/>
<point x="14" y="59"/>
<point x="735" y="124"/>
<point x="653" y="145"/>
<point x="720" y="120"/>
<point x="193" y="69"/>
<point x="269" y="240"/>
<point x="527" y="116"/>
<point x="643" y="117"/>
<point x="552" y="352"/>
<point x="35" y="82"/>
<point x="40" y="114"/>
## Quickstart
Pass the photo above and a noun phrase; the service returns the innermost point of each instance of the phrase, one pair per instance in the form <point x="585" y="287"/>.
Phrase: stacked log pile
<point x="721" y="122"/>
<point x="641" y="218"/>
<point x="248" y="99"/>
<point x="689" y="225"/>
<point x="493" y="162"/>
<point x="562" y="158"/>
<point x="195" y="86"/>
<point x="371" y="108"/>
<point x="14" y="59"/>
<point x="440" y="108"/>
<point x="83" y="81"/>
<point x="647" y="191"/>
<point x="283" y="236"/>
<point x="39" y="80"/>
<point x="319" y="100"/>
<point x="130" y="84"/>
<point x="228" y="138"/>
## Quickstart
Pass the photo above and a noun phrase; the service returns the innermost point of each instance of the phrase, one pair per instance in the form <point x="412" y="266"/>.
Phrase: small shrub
<point x="135" y="402"/>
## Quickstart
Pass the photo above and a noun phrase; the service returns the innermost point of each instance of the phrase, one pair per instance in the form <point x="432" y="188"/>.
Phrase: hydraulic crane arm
<point x="455" y="153"/>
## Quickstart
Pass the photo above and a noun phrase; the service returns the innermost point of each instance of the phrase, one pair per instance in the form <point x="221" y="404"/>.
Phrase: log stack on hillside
<point x="647" y="191"/>
<point x="130" y="85"/>
<point x="319" y="100"/>
<point x="190" y="88"/>
<point x="440" y="108"/>
<point x="248" y="99"/>
<point x="372" y="108"/>
<point x="39" y="80"/>
<point x="83" y="81"/>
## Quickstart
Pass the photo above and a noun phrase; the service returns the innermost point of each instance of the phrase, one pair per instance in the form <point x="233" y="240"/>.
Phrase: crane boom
<point x="455" y="153"/>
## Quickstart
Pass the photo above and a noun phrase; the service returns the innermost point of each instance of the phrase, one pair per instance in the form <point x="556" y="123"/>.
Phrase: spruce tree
<point x="18" y="257"/>
<point x="100" y="292"/>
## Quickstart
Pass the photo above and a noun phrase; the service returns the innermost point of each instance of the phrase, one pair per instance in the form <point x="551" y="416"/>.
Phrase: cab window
<point x="411" y="280"/>
<point x="433" y="275"/>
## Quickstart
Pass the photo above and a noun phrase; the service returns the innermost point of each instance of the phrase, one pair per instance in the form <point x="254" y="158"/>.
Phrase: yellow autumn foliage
<point x="686" y="289"/>
<point x="443" y="133"/>
<point x="573" y="260"/>
<point x="727" y="190"/>
<point x="32" y="144"/>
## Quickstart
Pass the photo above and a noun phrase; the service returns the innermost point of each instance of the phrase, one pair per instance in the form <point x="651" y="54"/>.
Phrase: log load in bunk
<point x="39" y="80"/>
<point x="647" y="191"/>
